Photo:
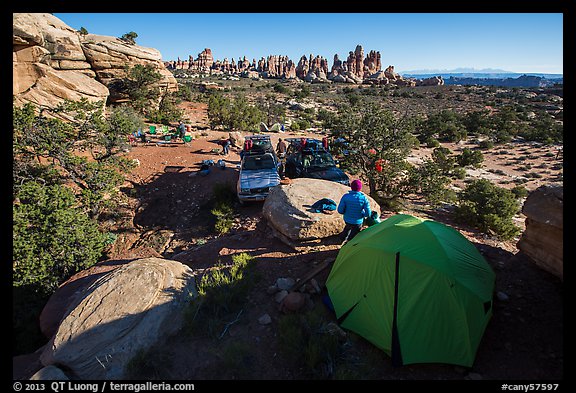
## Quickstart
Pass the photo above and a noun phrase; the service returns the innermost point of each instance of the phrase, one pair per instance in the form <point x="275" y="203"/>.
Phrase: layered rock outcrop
<point x="287" y="209"/>
<point x="128" y="309"/>
<point x="109" y="57"/>
<point x="48" y="63"/>
<point x="543" y="238"/>
<point x="53" y="62"/>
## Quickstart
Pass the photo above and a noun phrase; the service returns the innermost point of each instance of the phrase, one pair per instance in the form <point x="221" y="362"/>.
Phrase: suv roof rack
<point x="312" y="144"/>
<point x="261" y="144"/>
<point x="258" y="137"/>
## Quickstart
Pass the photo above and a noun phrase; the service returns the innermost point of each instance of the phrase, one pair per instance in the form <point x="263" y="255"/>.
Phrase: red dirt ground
<point x="524" y="339"/>
<point x="167" y="198"/>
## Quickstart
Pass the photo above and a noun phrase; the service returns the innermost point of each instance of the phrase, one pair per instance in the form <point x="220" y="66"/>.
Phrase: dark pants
<point x="350" y="230"/>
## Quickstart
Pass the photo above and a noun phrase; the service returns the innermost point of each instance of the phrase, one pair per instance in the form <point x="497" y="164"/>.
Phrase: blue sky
<point x="515" y="42"/>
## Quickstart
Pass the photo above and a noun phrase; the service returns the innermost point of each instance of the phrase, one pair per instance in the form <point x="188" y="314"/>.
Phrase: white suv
<point x="258" y="170"/>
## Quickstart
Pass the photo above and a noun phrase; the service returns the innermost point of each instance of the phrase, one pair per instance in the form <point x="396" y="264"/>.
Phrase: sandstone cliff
<point x="52" y="62"/>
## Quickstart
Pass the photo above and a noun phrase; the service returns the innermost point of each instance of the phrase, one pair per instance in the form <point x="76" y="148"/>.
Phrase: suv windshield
<point x="258" y="162"/>
<point x="318" y="160"/>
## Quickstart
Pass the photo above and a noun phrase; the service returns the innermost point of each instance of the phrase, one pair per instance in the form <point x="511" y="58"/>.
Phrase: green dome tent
<point x="417" y="289"/>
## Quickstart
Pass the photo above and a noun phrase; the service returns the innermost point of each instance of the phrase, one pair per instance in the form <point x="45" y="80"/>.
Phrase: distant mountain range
<point x="488" y="77"/>
<point x="487" y="73"/>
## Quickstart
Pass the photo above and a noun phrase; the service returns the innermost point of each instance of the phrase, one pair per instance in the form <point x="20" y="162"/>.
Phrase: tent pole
<point x="395" y="347"/>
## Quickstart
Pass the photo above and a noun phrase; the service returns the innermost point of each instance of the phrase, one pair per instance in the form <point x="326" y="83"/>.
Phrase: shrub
<point x="353" y="99"/>
<point x="326" y="118"/>
<point x="470" y="157"/>
<point x="129" y="37"/>
<point x="432" y="142"/>
<point x="442" y="156"/>
<point x="222" y="292"/>
<point x="305" y="339"/>
<point x="223" y="210"/>
<point x="223" y="213"/>
<point x="458" y="173"/>
<point x="185" y="92"/>
<point x="278" y="88"/>
<point x="303" y="92"/>
<point x="489" y="208"/>
<point x="429" y="181"/>
<point x="446" y="125"/>
<point x="519" y="192"/>
<point x="140" y="86"/>
<point x="52" y="238"/>
<point x="486" y="144"/>
<point x="235" y="114"/>
<point x="300" y="124"/>
<point x="150" y="364"/>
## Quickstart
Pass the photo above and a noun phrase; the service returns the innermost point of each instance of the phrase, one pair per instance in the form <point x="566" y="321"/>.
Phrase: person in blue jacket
<point x="355" y="207"/>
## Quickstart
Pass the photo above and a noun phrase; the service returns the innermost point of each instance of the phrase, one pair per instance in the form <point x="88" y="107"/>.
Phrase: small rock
<point x="280" y="296"/>
<point x="285" y="283"/>
<point x="460" y="369"/>
<point x="49" y="373"/>
<point x="309" y="302"/>
<point x="475" y="376"/>
<point x="315" y="285"/>
<point x="265" y="320"/>
<point x="293" y="302"/>
<point x="335" y="330"/>
<point x="502" y="296"/>
<point x="272" y="289"/>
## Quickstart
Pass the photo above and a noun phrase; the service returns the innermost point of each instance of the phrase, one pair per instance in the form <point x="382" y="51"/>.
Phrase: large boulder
<point x="287" y="209"/>
<point x="543" y="238"/>
<point x="129" y="309"/>
<point x="55" y="309"/>
<point x="236" y="139"/>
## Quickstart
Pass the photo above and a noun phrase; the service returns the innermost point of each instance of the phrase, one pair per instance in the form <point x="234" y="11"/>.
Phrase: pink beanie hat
<point x="356" y="185"/>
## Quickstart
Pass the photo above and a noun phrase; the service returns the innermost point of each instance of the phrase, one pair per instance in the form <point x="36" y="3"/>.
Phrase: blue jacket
<point x="355" y="207"/>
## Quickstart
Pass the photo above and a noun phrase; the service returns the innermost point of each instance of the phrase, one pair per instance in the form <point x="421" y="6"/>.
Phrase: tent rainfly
<point x="415" y="288"/>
